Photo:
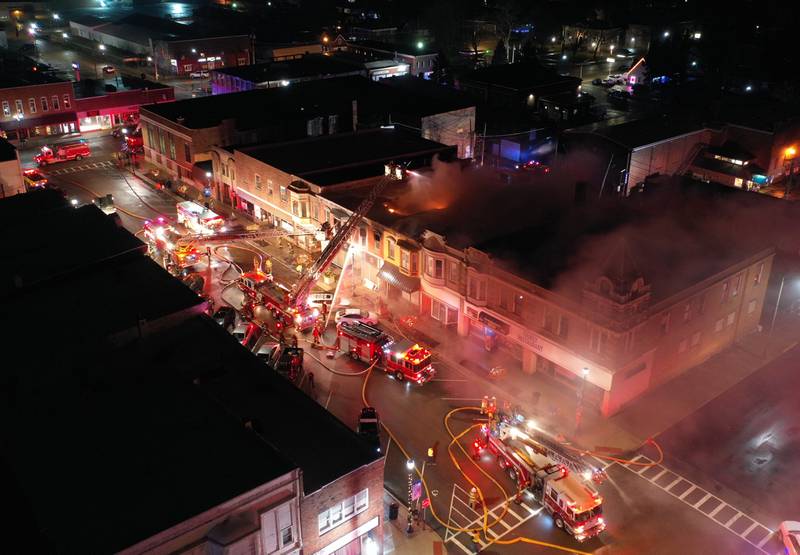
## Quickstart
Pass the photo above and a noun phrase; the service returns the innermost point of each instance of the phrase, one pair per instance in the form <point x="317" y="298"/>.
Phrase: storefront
<point x="107" y="118"/>
<point x="398" y="285"/>
<point x="45" y="126"/>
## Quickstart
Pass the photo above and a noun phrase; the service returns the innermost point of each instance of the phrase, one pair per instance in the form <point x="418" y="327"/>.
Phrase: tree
<point x="500" y="56"/>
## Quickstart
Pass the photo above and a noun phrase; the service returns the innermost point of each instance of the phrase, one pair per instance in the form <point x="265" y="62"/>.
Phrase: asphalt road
<point x="748" y="439"/>
<point x="645" y="512"/>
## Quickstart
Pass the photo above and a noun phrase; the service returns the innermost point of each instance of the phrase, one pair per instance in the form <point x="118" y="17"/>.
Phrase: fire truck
<point x="576" y="506"/>
<point x="164" y="237"/>
<point x="403" y="359"/>
<point x="262" y="289"/>
<point x="62" y="153"/>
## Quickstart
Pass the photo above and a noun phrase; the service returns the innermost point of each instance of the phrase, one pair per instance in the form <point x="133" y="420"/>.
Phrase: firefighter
<point x="316" y="333"/>
<point x="484" y="404"/>
<point x="294" y="341"/>
<point x="281" y="336"/>
<point x="295" y="365"/>
<point x="473" y="498"/>
<point x="311" y="381"/>
<point x="268" y="265"/>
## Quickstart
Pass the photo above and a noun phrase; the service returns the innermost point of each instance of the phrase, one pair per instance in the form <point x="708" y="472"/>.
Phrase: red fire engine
<point x="63" y="152"/>
<point x="164" y="237"/>
<point x="262" y="289"/>
<point x="403" y="359"/>
<point x="576" y="506"/>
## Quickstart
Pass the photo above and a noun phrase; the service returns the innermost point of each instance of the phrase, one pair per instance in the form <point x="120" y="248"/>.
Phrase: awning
<point x="50" y="119"/>
<point x="391" y="275"/>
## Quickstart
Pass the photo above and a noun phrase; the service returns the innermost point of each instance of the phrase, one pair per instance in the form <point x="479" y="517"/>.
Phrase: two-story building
<point x="420" y="55"/>
<point x="34" y="104"/>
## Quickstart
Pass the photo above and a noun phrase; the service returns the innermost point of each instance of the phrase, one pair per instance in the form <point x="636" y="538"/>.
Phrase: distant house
<point x="729" y="165"/>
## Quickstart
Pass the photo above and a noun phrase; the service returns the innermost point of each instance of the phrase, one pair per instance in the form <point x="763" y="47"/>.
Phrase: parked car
<point x="225" y="316"/>
<point x="34" y="179"/>
<point x="199" y="75"/>
<point x="287" y="361"/>
<point x="597" y="81"/>
<point x="108" y="69"/>
<point x="789" y="531"/>
<point x="355" y="315"/>
<point x="369" y="427"/>
<point x="239" y="331"/>
<point x="106" y="204"/>
<point x="264" y="352"/>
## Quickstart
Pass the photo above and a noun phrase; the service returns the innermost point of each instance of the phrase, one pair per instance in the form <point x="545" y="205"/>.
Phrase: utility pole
<point x="483" y="143"/>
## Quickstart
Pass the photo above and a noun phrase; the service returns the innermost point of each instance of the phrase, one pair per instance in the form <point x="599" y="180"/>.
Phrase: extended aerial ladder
<point x="309" y="278"/>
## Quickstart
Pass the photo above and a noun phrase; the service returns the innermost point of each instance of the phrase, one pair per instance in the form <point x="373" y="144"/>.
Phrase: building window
<point x="6" y="108"/>
<point x="731" y="318"/>
<point x="563" y="327"/>
<point x="171" y="147"/>
<point x="333" y="124"/>
<point x="54" y="98"/>
<point x="162" y="142"/>
<point x="751" y="306"/>
<point x="187" y="153"/>
<point x="719" y="325"/>
<point x="696" y="339"/>
<point x="43" y="101"/>
<point x="687" y="312"/>
<point x="270" y="189"/>
<point x="759" y="274"/>
<point x="597" y="340"/>
<point x="452" y="271"/>
<point x="258" y="182"/>
<point x="295" y="208"/>
<point x="519" y="302"/>
<point x="18" y="105"/>
<point x="665" y="324"/>
<point x="435" y="268"/>
<point x="735" y="288"/>
<point x="285" y="525"/>
<point x="67" y="103"/>
<point x="405" y="260"/>
<point x="284" y="193"/>
<point x="390" y="246"/>
<point x="314" y="127"/>
<point x="724" y="291"/>
<point x="376" y="236"/>
<point x="549" y="322"/>
<point x="187" y="67"/>
<point x="343" y="511"/>
<point x="32" y="105"/>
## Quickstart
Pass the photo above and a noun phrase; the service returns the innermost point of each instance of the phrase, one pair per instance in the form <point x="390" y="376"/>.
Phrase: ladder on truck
<point x="311" y="275"/>
<point x="229" y="236"/>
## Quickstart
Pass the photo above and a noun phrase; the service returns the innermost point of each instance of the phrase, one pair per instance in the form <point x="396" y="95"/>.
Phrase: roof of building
<point x="407" y="48"/>
<point x="19" y="71"/>
<point x="310" y="65"/>
<point x="721" y="166"/>
<point x="8" y="151"/>
<point x="413" y="95"/>
<point x="133" y="406"/>
<point x="636" y="134"/>
<point x="52" y="248"/>
<point x="731" y="150"/>
<point x="522" y="76"/>
<point x="344" y="157"/>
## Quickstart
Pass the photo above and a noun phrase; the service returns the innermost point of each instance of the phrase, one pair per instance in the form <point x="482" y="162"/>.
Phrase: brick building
<point x="104" y="110"/>
<point x="420" y="56"/>
<point x="179" y="135"/>
<point x="33" y="104"/>
<point x="178" y="442"/>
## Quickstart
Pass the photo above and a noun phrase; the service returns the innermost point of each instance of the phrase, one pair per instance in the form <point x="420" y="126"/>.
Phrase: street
<point x="671" y="507"/>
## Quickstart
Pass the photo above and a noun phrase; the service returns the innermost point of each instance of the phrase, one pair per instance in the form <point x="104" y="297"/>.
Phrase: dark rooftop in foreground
<point x="119" y="416"/>
<point x="520" y="76"/>
<point x="333" y="159"/>
<point x="8" y="151"/>
<point x="309" y="66"/>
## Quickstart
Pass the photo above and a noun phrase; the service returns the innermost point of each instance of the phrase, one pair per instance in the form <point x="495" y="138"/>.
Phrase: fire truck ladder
<point x="309" y="278"/>
<point x="570" y="459"/>
<point x="222" y="237"/>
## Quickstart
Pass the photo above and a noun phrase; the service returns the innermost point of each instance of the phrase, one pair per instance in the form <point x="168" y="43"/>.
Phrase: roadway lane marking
<point x="699" y="503"/>
<point x="461" y="545"/>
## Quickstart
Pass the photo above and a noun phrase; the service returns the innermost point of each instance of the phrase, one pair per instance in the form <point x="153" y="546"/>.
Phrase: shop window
<point x="6" y="108"/>
<point x="45" y="106"/>
<point x="67" y="103"/>
<point x="390" y="247"/>
<point x="187" y="153"/>
<point x="18" y="106"/>
<point x="32" y="105"/>
<point x="54" y="98"/>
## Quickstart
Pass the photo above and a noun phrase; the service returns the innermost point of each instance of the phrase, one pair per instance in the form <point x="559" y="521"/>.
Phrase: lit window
<point x="54" y="98"/>
<point x="284" y="193"/>
<point x="759" y="274"/>
<point x="18" y="105"/>
<point x="32" y="105"/>
<point x="67" y="103"/>
<point x="390" y="247"/>
<point x="258" y="182"/>
<point x="45" y="106"/>
<point x="6" y="108"/>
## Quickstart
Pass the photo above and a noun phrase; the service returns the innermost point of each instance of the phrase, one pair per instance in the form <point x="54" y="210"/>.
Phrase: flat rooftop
<point x="310" y="65"/>
<point x="406" y="47"/>
<point x="640" y="133"/>
<point x="332" y="159"/>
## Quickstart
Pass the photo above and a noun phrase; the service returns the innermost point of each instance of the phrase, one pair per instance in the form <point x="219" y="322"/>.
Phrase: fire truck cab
<point x="402" y="359"/>
<point x="577" y="507"/>
<point x="163" y="237"/>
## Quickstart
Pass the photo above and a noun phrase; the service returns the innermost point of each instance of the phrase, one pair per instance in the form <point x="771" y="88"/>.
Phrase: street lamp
<point x="410" y="468"/>
<point x="789" y="156"/>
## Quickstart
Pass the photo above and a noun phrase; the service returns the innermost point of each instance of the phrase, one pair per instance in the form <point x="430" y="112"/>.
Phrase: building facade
<point x="183" y="57"/>
<point x="35" y="110"/>
<point x="109" y="110"/>
<point x="420" y="58"/>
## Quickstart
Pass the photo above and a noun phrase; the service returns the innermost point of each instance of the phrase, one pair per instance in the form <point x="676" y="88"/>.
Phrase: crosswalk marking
<point x="82" y="168"/>
<point x="721" y="505"/>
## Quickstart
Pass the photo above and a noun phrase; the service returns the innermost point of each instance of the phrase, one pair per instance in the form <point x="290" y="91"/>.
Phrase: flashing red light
<point x="477" y="445"/>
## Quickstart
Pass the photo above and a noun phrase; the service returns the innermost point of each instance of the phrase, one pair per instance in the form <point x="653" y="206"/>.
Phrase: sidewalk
<point x="397" y="541"/>
<point x="644" y="418"/>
